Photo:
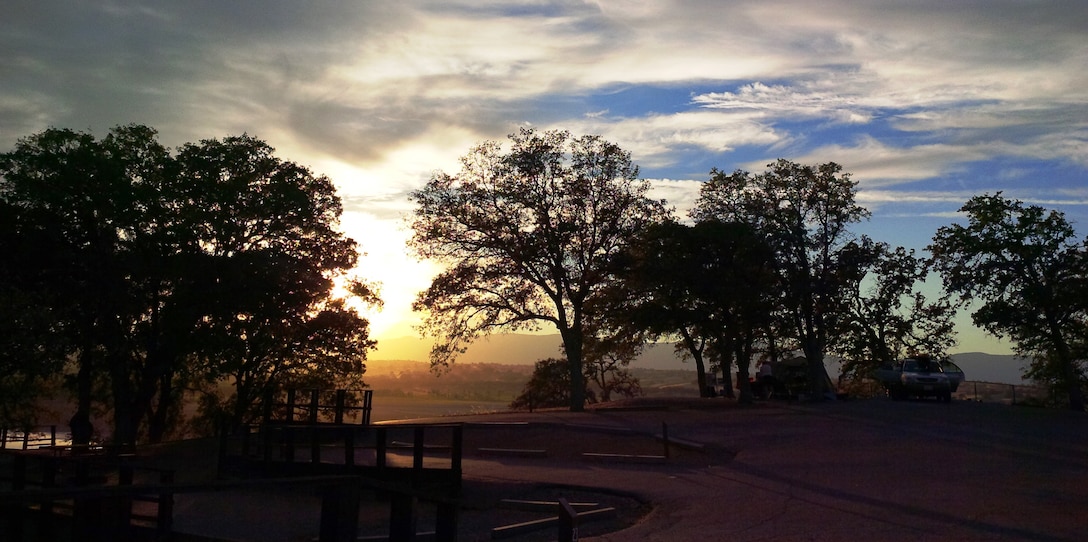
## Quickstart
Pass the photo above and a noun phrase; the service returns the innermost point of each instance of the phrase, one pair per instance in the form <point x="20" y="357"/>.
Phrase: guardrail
<point x="39" y="436"/>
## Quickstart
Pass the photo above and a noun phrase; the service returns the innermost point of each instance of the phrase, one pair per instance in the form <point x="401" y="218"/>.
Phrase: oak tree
<point x="885" y="315"/>
<point x="805" y="213"/>
<point x="527" y="236"/>
<point x="1024" y="267"/>
<point x="148" y="261"/>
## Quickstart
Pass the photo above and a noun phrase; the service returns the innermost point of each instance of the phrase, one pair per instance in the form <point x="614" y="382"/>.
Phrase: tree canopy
<point x="161" y="271"/>
<point x="711" y="286"/>
<point x="886" y="316"/>
<point x="528" y="236"/>
<point x="805" y="213"/>
<point x="1029" y="274"/>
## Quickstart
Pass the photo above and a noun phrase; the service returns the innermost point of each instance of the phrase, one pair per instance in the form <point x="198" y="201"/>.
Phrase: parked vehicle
<point x="915" y="377"/>
<point x="955" y="374"/>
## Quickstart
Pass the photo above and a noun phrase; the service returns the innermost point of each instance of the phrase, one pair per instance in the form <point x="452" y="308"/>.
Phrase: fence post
<point x="568" y="521"/>
<point x="445" y="524"/>
<point x="402" y="516"/>
<point x="165" y="516"/>
<point x="290" y="417"/>
<point x="665" y="437"/>
<point x="338" y="414"/>
<point x="349" y="447"/>
<point x="379" y="448"/>
<point x="313" y="405"/>
<point x="16" y="512"/>
<point x="456" y="453"/>
<point x="368" y="398"/>
<point x="266" y="409"/>
<point x="340" y="513"/>
<point x="417" y="449"/>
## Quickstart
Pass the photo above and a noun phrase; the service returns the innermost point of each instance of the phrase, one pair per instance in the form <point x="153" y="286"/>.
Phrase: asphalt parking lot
<point x="833" y="471"/>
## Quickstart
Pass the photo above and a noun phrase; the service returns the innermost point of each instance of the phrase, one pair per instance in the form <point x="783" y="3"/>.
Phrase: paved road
<point x="853" y="470"/>
<point x="862" y="470"/>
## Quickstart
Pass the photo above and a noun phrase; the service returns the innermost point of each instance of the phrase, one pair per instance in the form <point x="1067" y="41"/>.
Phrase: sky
<point x="925" y="103"/>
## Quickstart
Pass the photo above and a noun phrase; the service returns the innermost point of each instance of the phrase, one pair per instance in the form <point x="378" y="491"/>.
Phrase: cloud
<point x="926" y="103"/>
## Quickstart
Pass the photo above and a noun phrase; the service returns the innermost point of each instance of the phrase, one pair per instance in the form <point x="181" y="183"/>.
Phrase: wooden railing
<point x="377" y="452"/>
<point x="312" y="406"/>
<point x="100" y="511"/>
<point x="27" y="438"/>
<point x="36" y="473"/>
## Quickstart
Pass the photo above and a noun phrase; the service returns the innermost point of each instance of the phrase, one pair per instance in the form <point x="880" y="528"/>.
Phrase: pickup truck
<point x="917" y="377"/>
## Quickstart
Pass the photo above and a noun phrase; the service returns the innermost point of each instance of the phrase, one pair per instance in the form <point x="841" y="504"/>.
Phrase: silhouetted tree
<point x="711" y="285"/>
<point x="886" y="317"/>
<point x="148" y="261"/>
<point x="528" y="237"/>
<point x="548" y="387"/>
<point x="804" y="212"/>
<point x="606" y="364"/>
<point x="1023" y="264"/>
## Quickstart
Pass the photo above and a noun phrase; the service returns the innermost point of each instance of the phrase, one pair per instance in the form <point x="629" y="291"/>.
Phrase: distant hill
<point x="516" y="349"/>
<point x="524" y="349"/>
<point x="1001" y="369"/>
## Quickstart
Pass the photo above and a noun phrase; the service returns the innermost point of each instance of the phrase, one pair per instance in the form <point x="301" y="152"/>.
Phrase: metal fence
<point x="1009" y="394"/>
<point x="986" y="392"/>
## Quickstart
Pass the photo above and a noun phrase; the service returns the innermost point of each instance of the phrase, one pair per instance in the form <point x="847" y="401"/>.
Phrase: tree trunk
<point x="743" y="357"/>
<point x="80" y="424"/>
<point x="572" y="345"/>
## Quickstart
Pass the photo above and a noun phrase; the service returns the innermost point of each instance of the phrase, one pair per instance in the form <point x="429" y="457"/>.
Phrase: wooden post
<point x="26" y="438"/>
<point x="417" y="449"/>
<point x="665" y="437"/>
<point x="456" y="453"/>
<point x="568" y="521"/>
<point x="52" y="436"/>
<point x="3" y="438"/>
<point x="313" y="406"/>
<point x="46" y="521"/>
<point x="338" y="414"/>
<point x="445" y="523"/>
<point x="14" y="513"/>
<point x="18" y="472"/>
<point x="289" y="444"/>
<point x="121" y="505"/>
<point x="266" y="409"/>
<point x="379" y="448"/>
<point x="290" y="414"/>
<point x="349" y="447"/>
<point x="402" y="516"/>
<point x="340" y="513"/>
<point x="165" y="516"/>
<point x="368" y="398"/>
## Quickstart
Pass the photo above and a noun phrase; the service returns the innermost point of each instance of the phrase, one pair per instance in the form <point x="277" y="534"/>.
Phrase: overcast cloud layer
<point x="925" y="102"/>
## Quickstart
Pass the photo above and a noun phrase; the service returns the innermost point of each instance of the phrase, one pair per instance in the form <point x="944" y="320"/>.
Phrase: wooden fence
<point x="104" y="513"/>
